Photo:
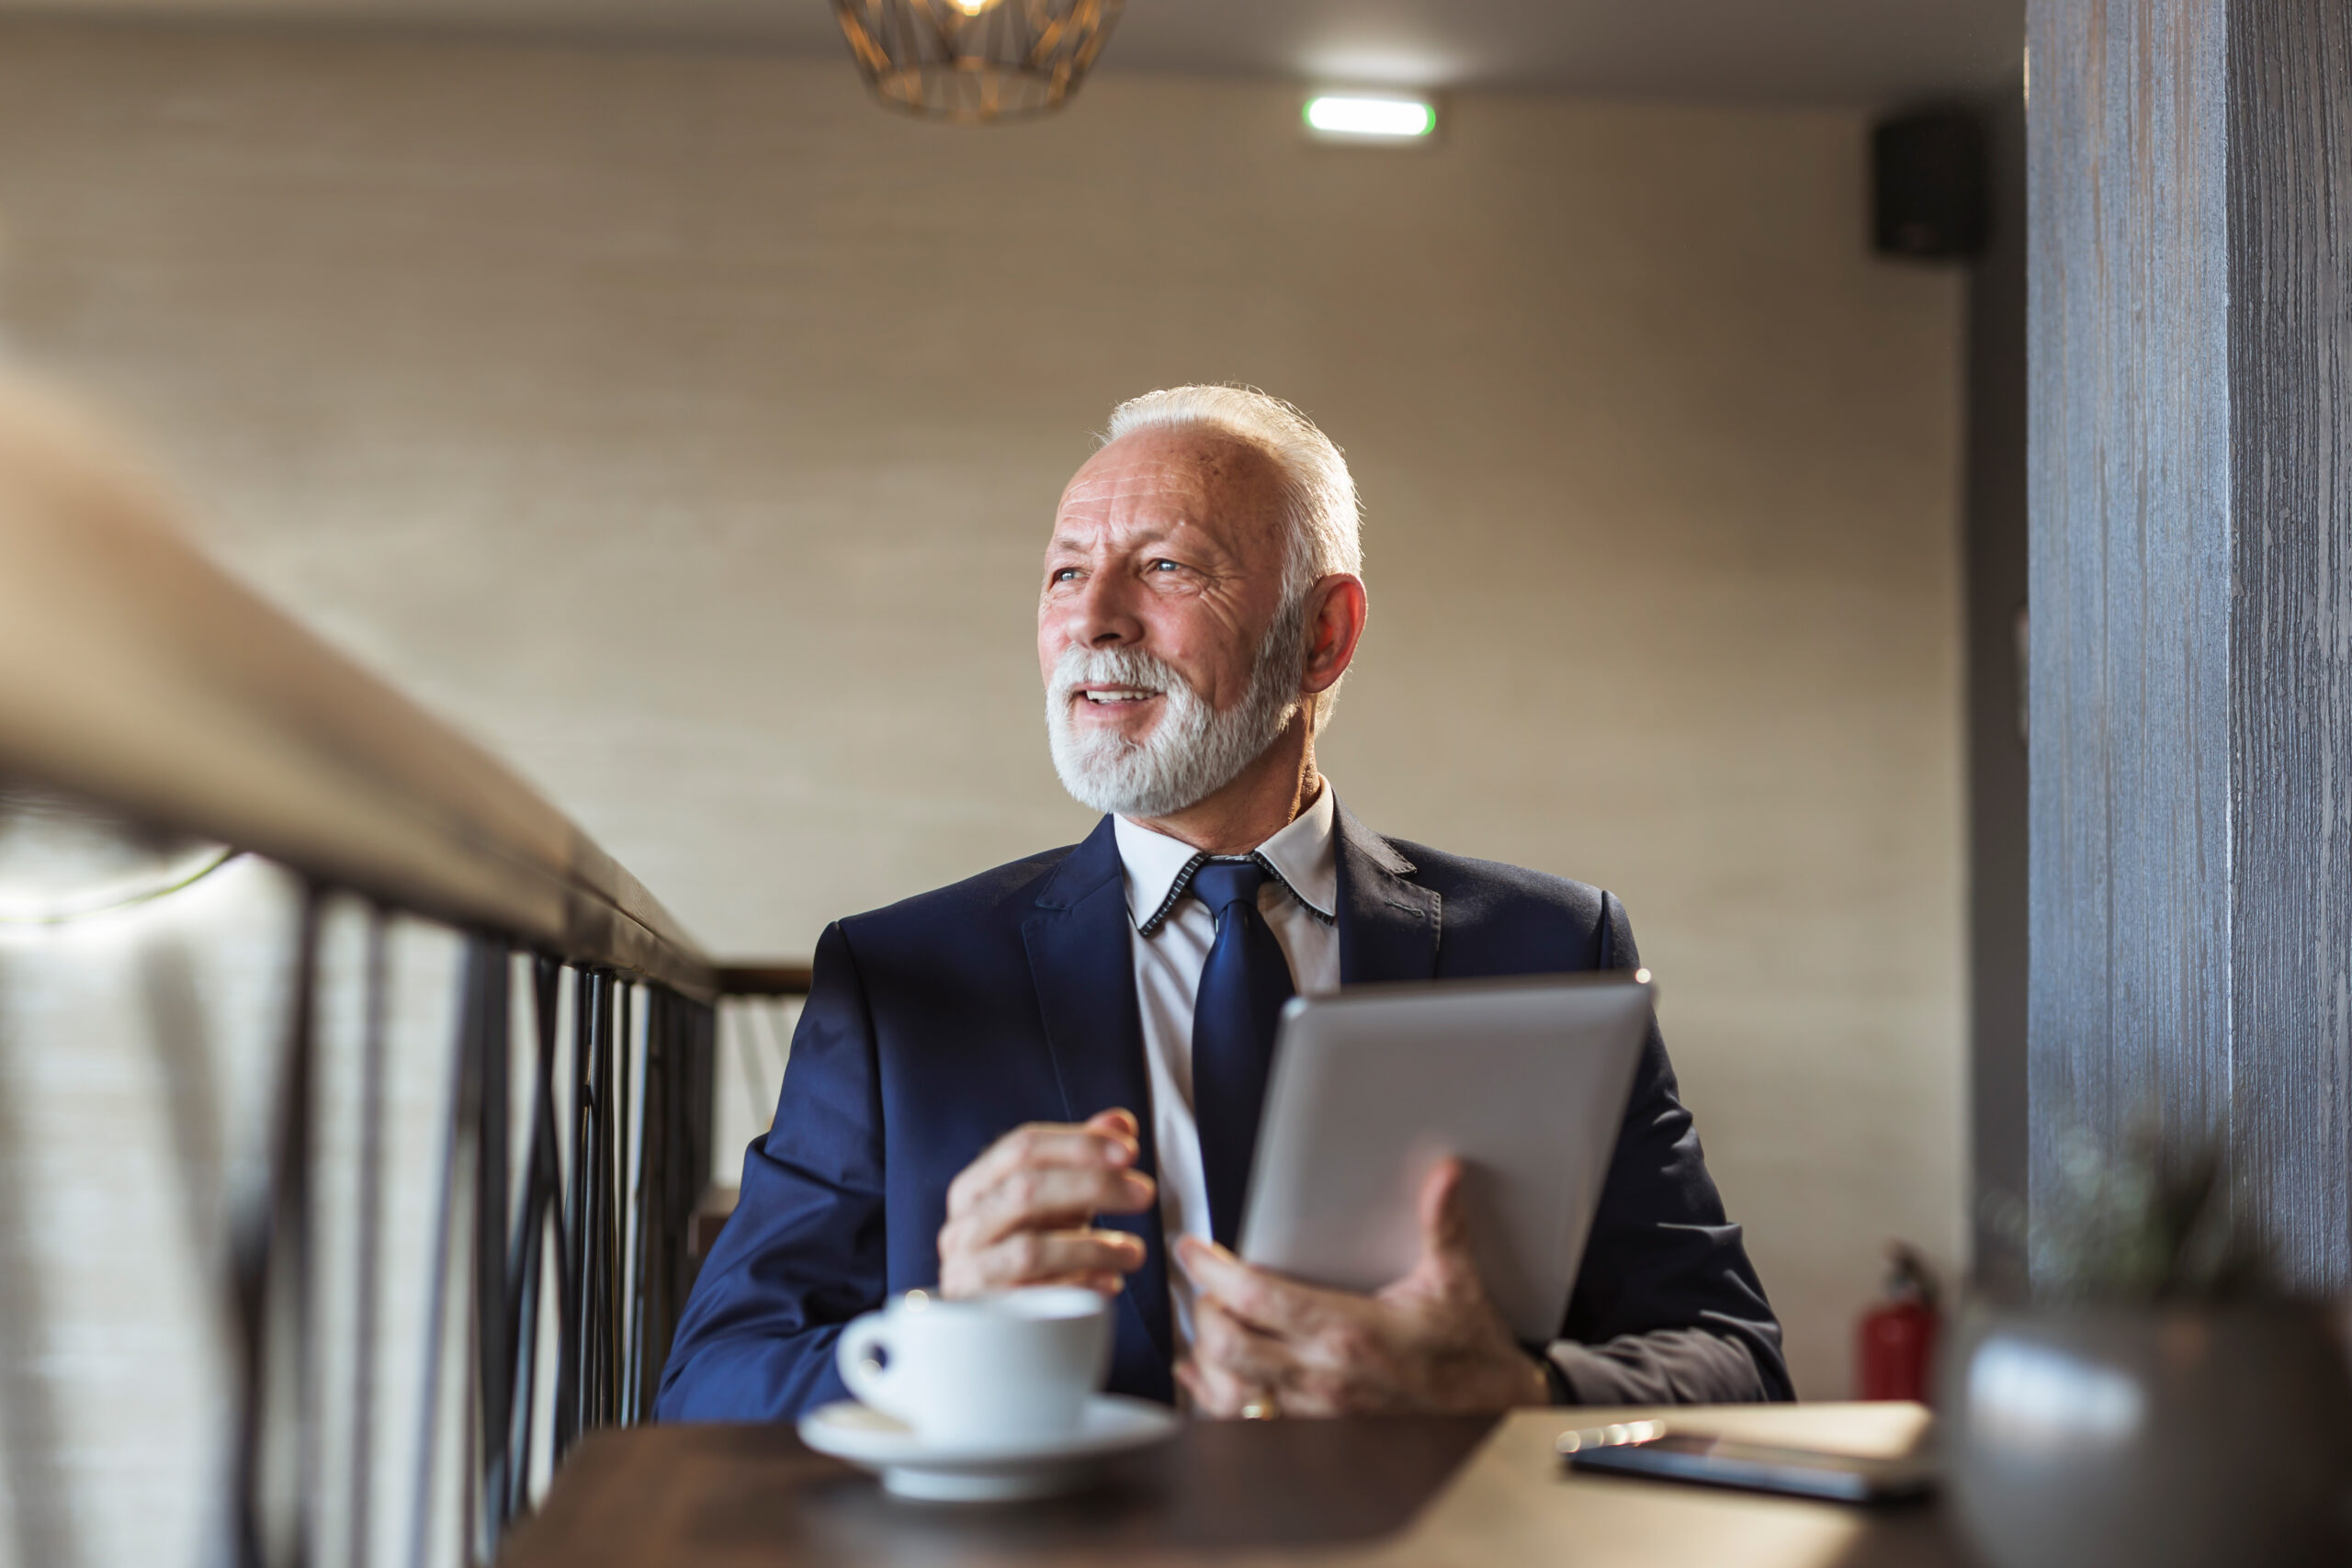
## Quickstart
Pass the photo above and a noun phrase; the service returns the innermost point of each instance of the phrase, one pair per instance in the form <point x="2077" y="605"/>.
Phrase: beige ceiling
<point x="1858" y="51"/>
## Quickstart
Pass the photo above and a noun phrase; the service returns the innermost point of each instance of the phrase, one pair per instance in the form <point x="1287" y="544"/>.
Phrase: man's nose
<point x="1102" y="615"/>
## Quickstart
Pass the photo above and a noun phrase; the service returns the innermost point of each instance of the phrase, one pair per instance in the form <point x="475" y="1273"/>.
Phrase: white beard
<point x="1194" y="751"/>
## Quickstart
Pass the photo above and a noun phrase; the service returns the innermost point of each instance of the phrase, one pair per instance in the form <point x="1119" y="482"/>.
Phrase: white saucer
<point x="1112" y="1424"/>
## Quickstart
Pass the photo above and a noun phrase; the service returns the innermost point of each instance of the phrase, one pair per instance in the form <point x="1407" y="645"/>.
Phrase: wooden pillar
<point x="2191" y="476"/>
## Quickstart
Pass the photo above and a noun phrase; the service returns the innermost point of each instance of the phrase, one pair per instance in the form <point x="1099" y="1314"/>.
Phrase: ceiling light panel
<point x="1371" y="118"/>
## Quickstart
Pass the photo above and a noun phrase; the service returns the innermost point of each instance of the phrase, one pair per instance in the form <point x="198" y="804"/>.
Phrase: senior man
<point x="1052" y="1072"/>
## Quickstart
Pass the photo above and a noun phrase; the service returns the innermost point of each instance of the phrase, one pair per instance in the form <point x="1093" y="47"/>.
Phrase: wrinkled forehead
<point x="1157" y="480"/>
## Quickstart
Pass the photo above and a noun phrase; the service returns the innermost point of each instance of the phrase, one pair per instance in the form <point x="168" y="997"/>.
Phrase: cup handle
<point x="860" y="1368"/>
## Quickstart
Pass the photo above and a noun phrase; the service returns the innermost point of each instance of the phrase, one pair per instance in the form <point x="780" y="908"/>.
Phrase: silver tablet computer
<point x="1526" y="1080"/>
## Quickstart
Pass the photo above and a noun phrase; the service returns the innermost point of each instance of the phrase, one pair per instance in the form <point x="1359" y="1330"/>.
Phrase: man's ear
<point x="1335" y="609"/>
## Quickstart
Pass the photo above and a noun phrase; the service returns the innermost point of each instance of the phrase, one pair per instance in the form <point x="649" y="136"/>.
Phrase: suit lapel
<point x="1388" y="927"/>
<point x="1084" y="970"/>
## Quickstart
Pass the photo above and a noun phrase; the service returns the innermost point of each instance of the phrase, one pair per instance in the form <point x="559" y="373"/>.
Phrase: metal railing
<point x="407" y="1263"/>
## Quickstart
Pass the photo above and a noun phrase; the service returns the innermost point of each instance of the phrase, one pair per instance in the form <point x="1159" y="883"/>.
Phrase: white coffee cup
<point x="1005" y="1369"/>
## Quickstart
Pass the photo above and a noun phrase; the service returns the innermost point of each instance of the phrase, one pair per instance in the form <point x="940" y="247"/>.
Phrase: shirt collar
<point x="1304" y="856"/>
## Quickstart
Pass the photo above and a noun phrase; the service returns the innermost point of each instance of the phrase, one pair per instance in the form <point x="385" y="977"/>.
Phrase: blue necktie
<point x="1243" y="987"/>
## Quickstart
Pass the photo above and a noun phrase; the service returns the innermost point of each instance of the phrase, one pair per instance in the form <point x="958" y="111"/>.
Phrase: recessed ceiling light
<point x="1370" y="117"/>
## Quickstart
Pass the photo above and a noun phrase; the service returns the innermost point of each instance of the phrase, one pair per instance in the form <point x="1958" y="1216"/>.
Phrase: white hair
<point x="1319" y="509"/>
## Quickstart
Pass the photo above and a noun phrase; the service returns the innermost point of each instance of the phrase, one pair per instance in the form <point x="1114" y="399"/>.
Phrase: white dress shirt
<point x="1171" y="933"/>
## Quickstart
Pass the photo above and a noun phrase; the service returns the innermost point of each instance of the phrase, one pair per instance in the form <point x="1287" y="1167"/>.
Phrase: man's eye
<point x="1065" y="574"/>
<point x="1164" y="566"/>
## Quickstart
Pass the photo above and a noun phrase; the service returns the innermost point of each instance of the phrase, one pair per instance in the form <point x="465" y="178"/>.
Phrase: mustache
<point x="1114" y="667"/>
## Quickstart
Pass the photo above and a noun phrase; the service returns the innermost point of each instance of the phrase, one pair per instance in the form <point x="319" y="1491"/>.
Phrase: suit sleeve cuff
<point x="1666" y="1366"/>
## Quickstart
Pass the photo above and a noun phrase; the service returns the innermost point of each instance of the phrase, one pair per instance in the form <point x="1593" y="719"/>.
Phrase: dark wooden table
<point x="1443" y="1490"/>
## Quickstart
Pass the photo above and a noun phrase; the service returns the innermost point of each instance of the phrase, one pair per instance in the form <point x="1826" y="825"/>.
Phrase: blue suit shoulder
<point x="1536" y="919"/>
<point x="914" y="958"/>
<point x="1000" y="891"/>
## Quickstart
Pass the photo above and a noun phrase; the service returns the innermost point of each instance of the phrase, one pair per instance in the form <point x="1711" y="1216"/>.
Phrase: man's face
<point x="1169" y="543"/>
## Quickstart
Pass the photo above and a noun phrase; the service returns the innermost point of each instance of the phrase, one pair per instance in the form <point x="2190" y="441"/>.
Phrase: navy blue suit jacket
<point x="936" y="1026"/>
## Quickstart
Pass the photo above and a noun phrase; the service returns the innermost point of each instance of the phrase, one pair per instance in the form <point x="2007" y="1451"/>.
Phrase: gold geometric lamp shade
<point x="976" y="61"/>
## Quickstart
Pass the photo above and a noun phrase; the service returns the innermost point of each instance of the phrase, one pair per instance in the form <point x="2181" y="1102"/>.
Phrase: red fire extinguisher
<point x="1896" y="1344"/>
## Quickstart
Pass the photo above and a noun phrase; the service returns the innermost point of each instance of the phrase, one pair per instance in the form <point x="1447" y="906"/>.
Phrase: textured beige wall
<point x="687" y="428"/>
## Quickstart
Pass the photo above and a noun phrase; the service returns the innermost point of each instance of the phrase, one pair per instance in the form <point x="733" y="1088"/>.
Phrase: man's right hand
<point x="1023" y="1213"/>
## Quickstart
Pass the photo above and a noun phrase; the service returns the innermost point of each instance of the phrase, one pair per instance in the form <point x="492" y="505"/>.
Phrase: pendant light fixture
<point x="976" y="61"/>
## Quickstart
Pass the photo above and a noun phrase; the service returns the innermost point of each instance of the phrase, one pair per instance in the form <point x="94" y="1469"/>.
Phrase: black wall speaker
<point x="1927" y="181"/>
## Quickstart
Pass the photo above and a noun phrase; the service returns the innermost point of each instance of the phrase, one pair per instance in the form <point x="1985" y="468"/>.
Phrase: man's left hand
<point x="1431" y="1342"/>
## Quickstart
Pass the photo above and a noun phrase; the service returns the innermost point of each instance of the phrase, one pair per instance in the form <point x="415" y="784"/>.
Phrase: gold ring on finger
<point x="1261" y="1408"/>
